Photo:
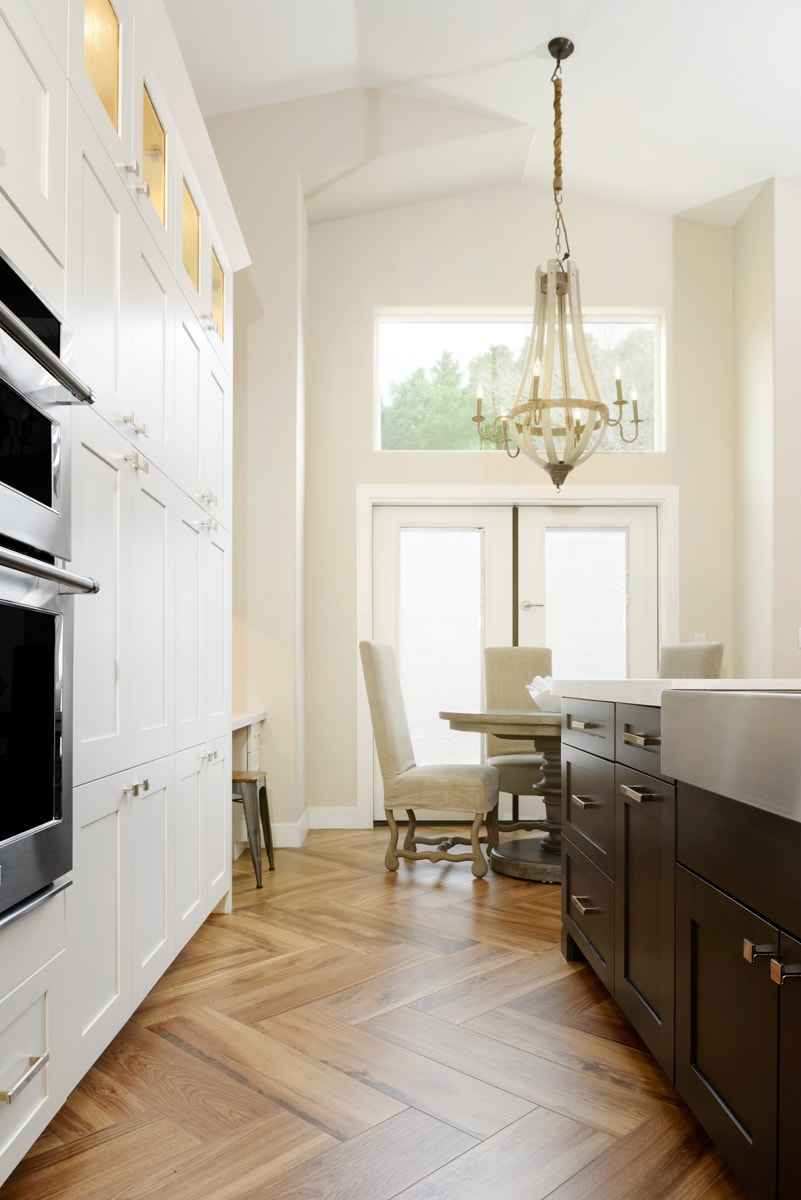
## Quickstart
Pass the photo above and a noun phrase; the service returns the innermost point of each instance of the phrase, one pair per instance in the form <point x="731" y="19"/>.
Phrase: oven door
<point x="35" y="724"/>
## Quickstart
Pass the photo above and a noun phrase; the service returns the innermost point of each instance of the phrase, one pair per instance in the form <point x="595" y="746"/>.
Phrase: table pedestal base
<point x="524" y="858"/>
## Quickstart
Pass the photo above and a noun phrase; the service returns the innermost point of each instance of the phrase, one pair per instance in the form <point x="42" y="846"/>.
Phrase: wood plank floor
<point x="351" y="1034"/>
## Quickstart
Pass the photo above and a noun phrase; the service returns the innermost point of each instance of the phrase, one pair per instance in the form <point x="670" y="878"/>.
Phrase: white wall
<point x="475" y="249"/>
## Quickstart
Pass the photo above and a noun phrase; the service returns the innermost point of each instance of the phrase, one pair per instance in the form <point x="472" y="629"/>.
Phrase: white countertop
<point x="649" y="691"/>
<point x="241" y="720"/>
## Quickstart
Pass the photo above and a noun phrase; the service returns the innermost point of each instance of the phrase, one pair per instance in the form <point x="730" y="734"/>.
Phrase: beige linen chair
<point x="507" y="670"/>
<point x="691" y="660"/>
<point x="458" y="789"/>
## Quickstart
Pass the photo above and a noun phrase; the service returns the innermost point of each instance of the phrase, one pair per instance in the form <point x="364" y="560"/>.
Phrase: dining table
<point x="537" y="858"/>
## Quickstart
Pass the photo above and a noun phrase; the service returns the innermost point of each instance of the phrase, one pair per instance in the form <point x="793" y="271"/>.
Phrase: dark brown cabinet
<point x="618" y="828"/>
<point x="738" y="986"/>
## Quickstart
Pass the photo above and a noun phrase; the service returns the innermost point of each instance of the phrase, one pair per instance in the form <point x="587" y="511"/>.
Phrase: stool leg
<point x="251" y="806"/>
<point x="264" y="809"/>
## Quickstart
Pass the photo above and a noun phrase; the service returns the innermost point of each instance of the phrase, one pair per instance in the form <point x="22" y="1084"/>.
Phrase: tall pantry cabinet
<point x="103" y="211"/>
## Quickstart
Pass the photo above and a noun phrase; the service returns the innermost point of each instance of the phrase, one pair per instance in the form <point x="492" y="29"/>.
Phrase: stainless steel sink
<point x="746" y="745"/>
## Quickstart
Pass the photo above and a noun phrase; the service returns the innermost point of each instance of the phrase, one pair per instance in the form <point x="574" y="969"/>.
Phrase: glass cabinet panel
<point x="154" y="154"/>
<point x="217" y="295"/>
<point x="191" y="237"/>
<point x="101" y="54"/>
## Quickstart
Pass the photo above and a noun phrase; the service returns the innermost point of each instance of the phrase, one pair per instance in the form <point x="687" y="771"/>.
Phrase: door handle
<point x="527" y="604"/>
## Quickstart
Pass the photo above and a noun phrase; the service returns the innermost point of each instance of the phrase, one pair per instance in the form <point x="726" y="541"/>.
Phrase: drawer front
<point x="589" y="725"/>
<point x="31" y="940"/>
<point x="638" y="737"/>
<point x="588" y="807"/>
<point x="588" y="911"/>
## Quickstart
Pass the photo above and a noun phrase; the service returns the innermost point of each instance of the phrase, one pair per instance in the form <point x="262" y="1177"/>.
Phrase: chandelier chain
<point x="561" y="228"/>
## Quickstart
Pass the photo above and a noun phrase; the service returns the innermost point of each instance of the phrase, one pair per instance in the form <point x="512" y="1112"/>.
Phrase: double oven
<point x="37" y="592"/>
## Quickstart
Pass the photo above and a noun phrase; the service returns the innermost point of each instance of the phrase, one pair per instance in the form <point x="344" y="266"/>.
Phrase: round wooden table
<point x="536" y="858"/>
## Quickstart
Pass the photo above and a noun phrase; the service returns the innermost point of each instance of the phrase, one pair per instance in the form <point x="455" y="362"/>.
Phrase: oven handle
<point x="44" y="356"/>
<point x="43" y="570"/>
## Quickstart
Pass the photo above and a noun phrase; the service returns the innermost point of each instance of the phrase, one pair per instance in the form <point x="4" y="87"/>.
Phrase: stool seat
<point x="250" y="788"/>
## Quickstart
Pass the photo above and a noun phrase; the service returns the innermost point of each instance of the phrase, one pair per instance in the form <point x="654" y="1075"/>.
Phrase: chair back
<point x="507" y="670"/>
<point x="387" y="711"/>
<point x="691" y="660"/>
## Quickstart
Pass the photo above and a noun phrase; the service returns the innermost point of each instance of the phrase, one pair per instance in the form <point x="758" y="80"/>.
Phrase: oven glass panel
<point x="26" y="447"/>
<point x="30" y="719"/>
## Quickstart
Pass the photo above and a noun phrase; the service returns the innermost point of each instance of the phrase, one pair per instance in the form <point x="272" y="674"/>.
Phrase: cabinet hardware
<point x="210" y="757"/>
<point x="209" y="324"/>
<point x="142" y="189"/>
<point x="133" y="790"/>
<point x="583" y="802"/>
<point x="584" y="905"/>
<point x="130" y="419"/>
<point x="145" y="785"/>
<point x="208" y="498"/>
<point x="572" y="723"/>
<point x="751" y="951"/>
<point x="641" y="739"/>
<point x="640" y="794"/>
<point x="137" y="462"/>
<point x="34" y="1067"/>
<point x="779" y="973"/>
<point x="131" y="167"/>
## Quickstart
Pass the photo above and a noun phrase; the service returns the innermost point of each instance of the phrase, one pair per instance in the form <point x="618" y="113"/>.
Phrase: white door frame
<point x="664" y="498"/>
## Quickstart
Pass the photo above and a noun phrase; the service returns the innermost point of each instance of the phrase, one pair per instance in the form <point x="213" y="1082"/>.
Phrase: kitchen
<point x="720" y="286"/>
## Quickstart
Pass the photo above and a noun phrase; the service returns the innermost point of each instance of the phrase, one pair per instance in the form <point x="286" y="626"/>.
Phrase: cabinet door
<point x="588" y="818"/>
<point x="217" y="631"/>
<point x="588" y="913"/>
<point x="790" y="1073"/>
<point x="101" y="549"/>
<point x="190" y="672"/>
<point x="101" y="38"/>
<point x="645" y="855"/>
<point x="150" y="842"/>
<point x="98" y="216"/>
<point x="189" y="840"/>
<point x="727" y="1028"/>
<point x="33" y="101"/>
<point x="217" y="822"/>
<point x="99" y="942"/>
<point x="149" y="420"/>
<point x="148" y="667"/>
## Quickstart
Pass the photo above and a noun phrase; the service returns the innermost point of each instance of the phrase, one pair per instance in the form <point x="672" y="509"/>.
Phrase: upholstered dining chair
<point x="454" y="789"/>
<point x="507" y="670"/>
<point x="691" y="660"/>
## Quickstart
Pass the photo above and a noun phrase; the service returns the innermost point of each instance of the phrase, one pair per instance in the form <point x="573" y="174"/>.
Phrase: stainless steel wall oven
<point x="36" y="597"/>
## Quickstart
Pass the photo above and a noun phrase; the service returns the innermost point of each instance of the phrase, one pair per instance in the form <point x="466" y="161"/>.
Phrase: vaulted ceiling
<point x="683" y="106"/>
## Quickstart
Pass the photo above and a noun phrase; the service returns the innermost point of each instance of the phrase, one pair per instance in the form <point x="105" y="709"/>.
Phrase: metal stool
<point x="250" y="787"/>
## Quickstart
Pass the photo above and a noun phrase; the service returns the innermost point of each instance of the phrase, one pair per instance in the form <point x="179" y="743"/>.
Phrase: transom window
<point x="429" y="368"/>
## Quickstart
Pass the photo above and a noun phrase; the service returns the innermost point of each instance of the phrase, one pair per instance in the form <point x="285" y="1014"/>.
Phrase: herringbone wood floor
<point x="350" y="1034"/>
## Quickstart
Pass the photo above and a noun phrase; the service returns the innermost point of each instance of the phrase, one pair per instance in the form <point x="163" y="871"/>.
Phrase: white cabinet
<point x="202" y="627"/>
<point x="33" y="1068"/>
<point x="203" y="418"/>
<point x="147" y="419"/>
<point x="101" y="44"/>
<point x="202" y="833"/>
<point x="120" y="926"/>
<point x="124" y="654"/>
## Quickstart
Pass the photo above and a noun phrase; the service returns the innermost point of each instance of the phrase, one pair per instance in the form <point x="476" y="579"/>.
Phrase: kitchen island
<point x="681" y="815"/>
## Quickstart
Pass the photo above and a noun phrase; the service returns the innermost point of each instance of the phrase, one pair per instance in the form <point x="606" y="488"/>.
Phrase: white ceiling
<point x="679" y="106"/>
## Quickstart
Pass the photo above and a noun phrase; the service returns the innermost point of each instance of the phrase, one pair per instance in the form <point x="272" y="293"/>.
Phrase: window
<point x="428" y="369"/>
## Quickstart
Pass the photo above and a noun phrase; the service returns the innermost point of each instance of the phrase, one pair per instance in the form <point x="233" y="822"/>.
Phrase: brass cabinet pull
<point x="751" y="951"/>
<point x="133" y="790"/>
<point x="641" y="739"/>
<point x="584" y="905"/>
<point x="640" y="794"/>
<point x="572" y="723"/>
<point x="34" y="1067"/>
<point x="583" y="802"/>
<point x="779" y="973"/>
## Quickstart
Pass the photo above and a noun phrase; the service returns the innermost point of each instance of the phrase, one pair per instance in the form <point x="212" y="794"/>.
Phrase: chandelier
<point x="554" y="422"/>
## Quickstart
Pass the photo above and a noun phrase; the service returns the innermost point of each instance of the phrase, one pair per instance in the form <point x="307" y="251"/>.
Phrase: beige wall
<point x="476" y="249"/>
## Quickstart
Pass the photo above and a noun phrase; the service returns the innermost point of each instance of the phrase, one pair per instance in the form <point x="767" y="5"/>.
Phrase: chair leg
<point x="409" y="842"/>
<point x="480" y="866"/>
<point x="250" y="804"/>
<point x="391" y="856"/>
<point x="493" y="836"/>
<point x="264" y="810"/>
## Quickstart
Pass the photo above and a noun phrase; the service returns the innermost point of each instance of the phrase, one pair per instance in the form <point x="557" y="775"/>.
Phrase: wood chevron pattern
<point x="351" y="1034"/>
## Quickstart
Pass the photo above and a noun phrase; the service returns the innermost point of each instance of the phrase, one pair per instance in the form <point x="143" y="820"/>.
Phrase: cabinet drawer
<point x="590" y="725"/>
<point x="588" y="912"/>
<point x="588" y="806"/>
<point x="31" y="940"/>
<point x="638" y="737"/>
